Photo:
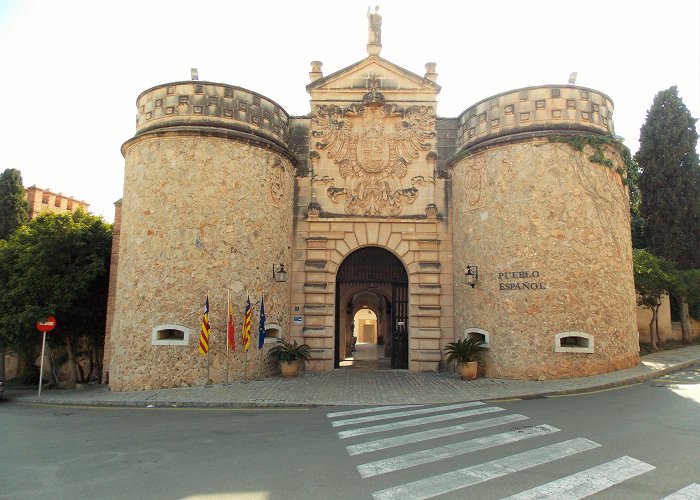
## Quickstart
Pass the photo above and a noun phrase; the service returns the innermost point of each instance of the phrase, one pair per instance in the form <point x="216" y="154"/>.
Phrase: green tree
<point x="13" y="213"/>
<point x="13" y="206"/>
<point x="653" y="278"/>
<point x="636" y="219"/>
<point x="669" y="183"/>
<point x="688" y="287"/>
<point x="57" y="264"/>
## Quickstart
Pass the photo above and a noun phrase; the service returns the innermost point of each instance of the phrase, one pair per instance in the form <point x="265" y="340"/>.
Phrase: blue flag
<point x="261" y="329"/>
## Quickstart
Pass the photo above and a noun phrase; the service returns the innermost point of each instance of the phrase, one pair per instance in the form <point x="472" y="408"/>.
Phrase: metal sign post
<point x="44" y="327"/>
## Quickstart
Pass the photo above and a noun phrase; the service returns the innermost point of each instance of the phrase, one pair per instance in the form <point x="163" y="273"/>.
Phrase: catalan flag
<point x="247" y="320"/>
<point x="261" y="328"/>
<point x="204" y="335"/>
<point x="230" y="333"/>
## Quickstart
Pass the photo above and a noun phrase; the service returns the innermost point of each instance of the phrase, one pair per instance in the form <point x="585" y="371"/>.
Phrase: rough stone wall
<point x="111" y="294"/>
<point x="544" y="209"/>
<point x="199" y="214"/>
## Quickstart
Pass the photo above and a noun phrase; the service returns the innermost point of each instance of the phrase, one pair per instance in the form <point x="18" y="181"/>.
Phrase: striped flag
<point x="204" y="335"/>
<point x="261" y="328"/>
<point x="230" y="333"/>
<point x="247" y="320"/>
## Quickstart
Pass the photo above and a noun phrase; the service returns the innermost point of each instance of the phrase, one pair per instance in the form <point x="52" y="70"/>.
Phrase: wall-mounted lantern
<point x="278" y="273"/>
<point x="471" y="275"/>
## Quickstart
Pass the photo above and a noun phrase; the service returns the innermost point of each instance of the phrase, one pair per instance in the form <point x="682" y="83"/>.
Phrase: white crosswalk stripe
<point x="417" y="437"/>
<point x="417" y="421"/>
<point x="690" y="492"/>
<point x="455" y="480"/>
<point x="587" y="482"/>
<point x="375" y="409"/>
<point x="573" y="486"/>
<point x="451" y="450"/>
<point x="409" y="413"/>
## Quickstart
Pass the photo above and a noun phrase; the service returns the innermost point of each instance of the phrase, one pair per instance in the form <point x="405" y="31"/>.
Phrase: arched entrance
<point x="372" y="278"/>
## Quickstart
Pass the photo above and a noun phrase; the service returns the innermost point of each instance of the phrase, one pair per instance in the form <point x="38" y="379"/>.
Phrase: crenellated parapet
<point x="545" y="108"/>
<point x="216" y="105"/>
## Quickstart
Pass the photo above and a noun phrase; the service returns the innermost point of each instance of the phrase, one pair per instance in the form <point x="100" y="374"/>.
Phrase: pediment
<point x="390" y="77"/>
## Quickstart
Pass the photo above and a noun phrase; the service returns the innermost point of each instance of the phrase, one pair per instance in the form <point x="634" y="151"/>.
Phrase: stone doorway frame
<point x="376" y="273"/>
<point x="424" y="246"/>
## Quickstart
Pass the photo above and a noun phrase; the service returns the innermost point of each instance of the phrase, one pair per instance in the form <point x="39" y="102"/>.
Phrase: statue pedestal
<point x="373" y="49"/>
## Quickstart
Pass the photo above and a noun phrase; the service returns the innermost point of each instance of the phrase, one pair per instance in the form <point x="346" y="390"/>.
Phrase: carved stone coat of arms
<point x="373" y="145"/>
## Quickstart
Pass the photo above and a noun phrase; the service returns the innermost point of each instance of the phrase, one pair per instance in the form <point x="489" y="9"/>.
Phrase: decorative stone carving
<point x="373" y="145"/>
<point x="313" y="210"/>
<point x="275" y="173"/>
<point x="374" y="35"/>
<point x="474" y="182"/>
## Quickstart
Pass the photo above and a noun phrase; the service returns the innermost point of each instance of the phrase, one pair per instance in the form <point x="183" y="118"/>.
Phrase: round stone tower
<point x="207" y="208"/>
<point x="541" y="217"/>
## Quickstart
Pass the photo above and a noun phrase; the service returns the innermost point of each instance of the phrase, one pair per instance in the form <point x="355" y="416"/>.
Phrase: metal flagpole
<point x="260" y="347"/>
<point x="228" y="313"/>
<point x="245" y="366"/>
<point x="208" y="341"/>
<point x="41" y="370"/>
<point x="245" y="349"/>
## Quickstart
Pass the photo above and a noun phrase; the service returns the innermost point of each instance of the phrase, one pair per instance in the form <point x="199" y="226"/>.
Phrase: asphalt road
<point x="636" y="442"/>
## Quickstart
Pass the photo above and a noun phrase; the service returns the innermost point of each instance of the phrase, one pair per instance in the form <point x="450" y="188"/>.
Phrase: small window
<point x="478" y="333"/>
<point x="170" y="335"/>
<point x="272" y="332"/>
<point x="573" y="342"/>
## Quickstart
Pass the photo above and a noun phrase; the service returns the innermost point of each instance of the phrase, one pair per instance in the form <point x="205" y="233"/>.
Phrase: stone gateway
<point x="376" y="207"/>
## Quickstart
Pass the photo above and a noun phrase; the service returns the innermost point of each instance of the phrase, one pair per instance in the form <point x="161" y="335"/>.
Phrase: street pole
<point x="41" y="369"/>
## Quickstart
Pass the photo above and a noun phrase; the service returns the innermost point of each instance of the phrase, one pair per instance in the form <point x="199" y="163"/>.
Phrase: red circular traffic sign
<point x="47" y="325"/>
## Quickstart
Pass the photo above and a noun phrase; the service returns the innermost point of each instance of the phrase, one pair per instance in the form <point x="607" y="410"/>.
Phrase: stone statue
<point x="375" y="26"/>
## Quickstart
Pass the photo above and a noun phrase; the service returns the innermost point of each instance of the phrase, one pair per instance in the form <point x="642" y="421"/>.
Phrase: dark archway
<point x="376" y="271"/>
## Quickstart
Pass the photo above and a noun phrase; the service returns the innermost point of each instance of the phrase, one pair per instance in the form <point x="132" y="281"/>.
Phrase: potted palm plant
<point x="288" y="356"/>
<point x="466" y="353"/>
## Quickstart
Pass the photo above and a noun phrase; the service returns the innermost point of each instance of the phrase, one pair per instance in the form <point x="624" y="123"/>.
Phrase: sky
<point x="71" y="70"/>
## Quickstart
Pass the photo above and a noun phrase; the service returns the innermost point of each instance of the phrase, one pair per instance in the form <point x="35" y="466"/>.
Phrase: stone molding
<point x="233" y="135"/>
<point x="199" y="103"/>
<point x="536" y="109"/>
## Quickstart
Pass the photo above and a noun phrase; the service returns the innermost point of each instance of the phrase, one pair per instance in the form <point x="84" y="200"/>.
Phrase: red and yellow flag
<point x="204" y="334"/>
<point x="230" y="332"/>
<point x="247" y="320"/>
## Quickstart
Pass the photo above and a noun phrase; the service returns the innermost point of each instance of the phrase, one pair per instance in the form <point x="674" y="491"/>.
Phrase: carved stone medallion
<point x="275" y="174"/>
<point x="474" y="181"/>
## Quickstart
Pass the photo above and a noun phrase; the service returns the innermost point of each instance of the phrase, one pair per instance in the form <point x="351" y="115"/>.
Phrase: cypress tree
<point x="669" y="183"/>
<point x="13" y="206"/>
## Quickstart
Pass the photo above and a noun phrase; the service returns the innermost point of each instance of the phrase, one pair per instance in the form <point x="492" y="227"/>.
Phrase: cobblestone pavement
<point x="364" y="387"/>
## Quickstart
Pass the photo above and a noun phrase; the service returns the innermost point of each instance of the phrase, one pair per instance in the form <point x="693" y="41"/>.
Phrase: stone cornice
<point x="229" y="134"/>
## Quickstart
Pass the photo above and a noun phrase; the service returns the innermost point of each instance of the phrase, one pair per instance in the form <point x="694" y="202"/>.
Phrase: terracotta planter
<point x="468" y="370"/>
<point x="289" y="368"/>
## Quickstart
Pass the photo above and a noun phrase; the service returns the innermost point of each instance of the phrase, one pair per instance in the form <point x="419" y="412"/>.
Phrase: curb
<point x="612" y="385"/>
<point x="27" y="399"/>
